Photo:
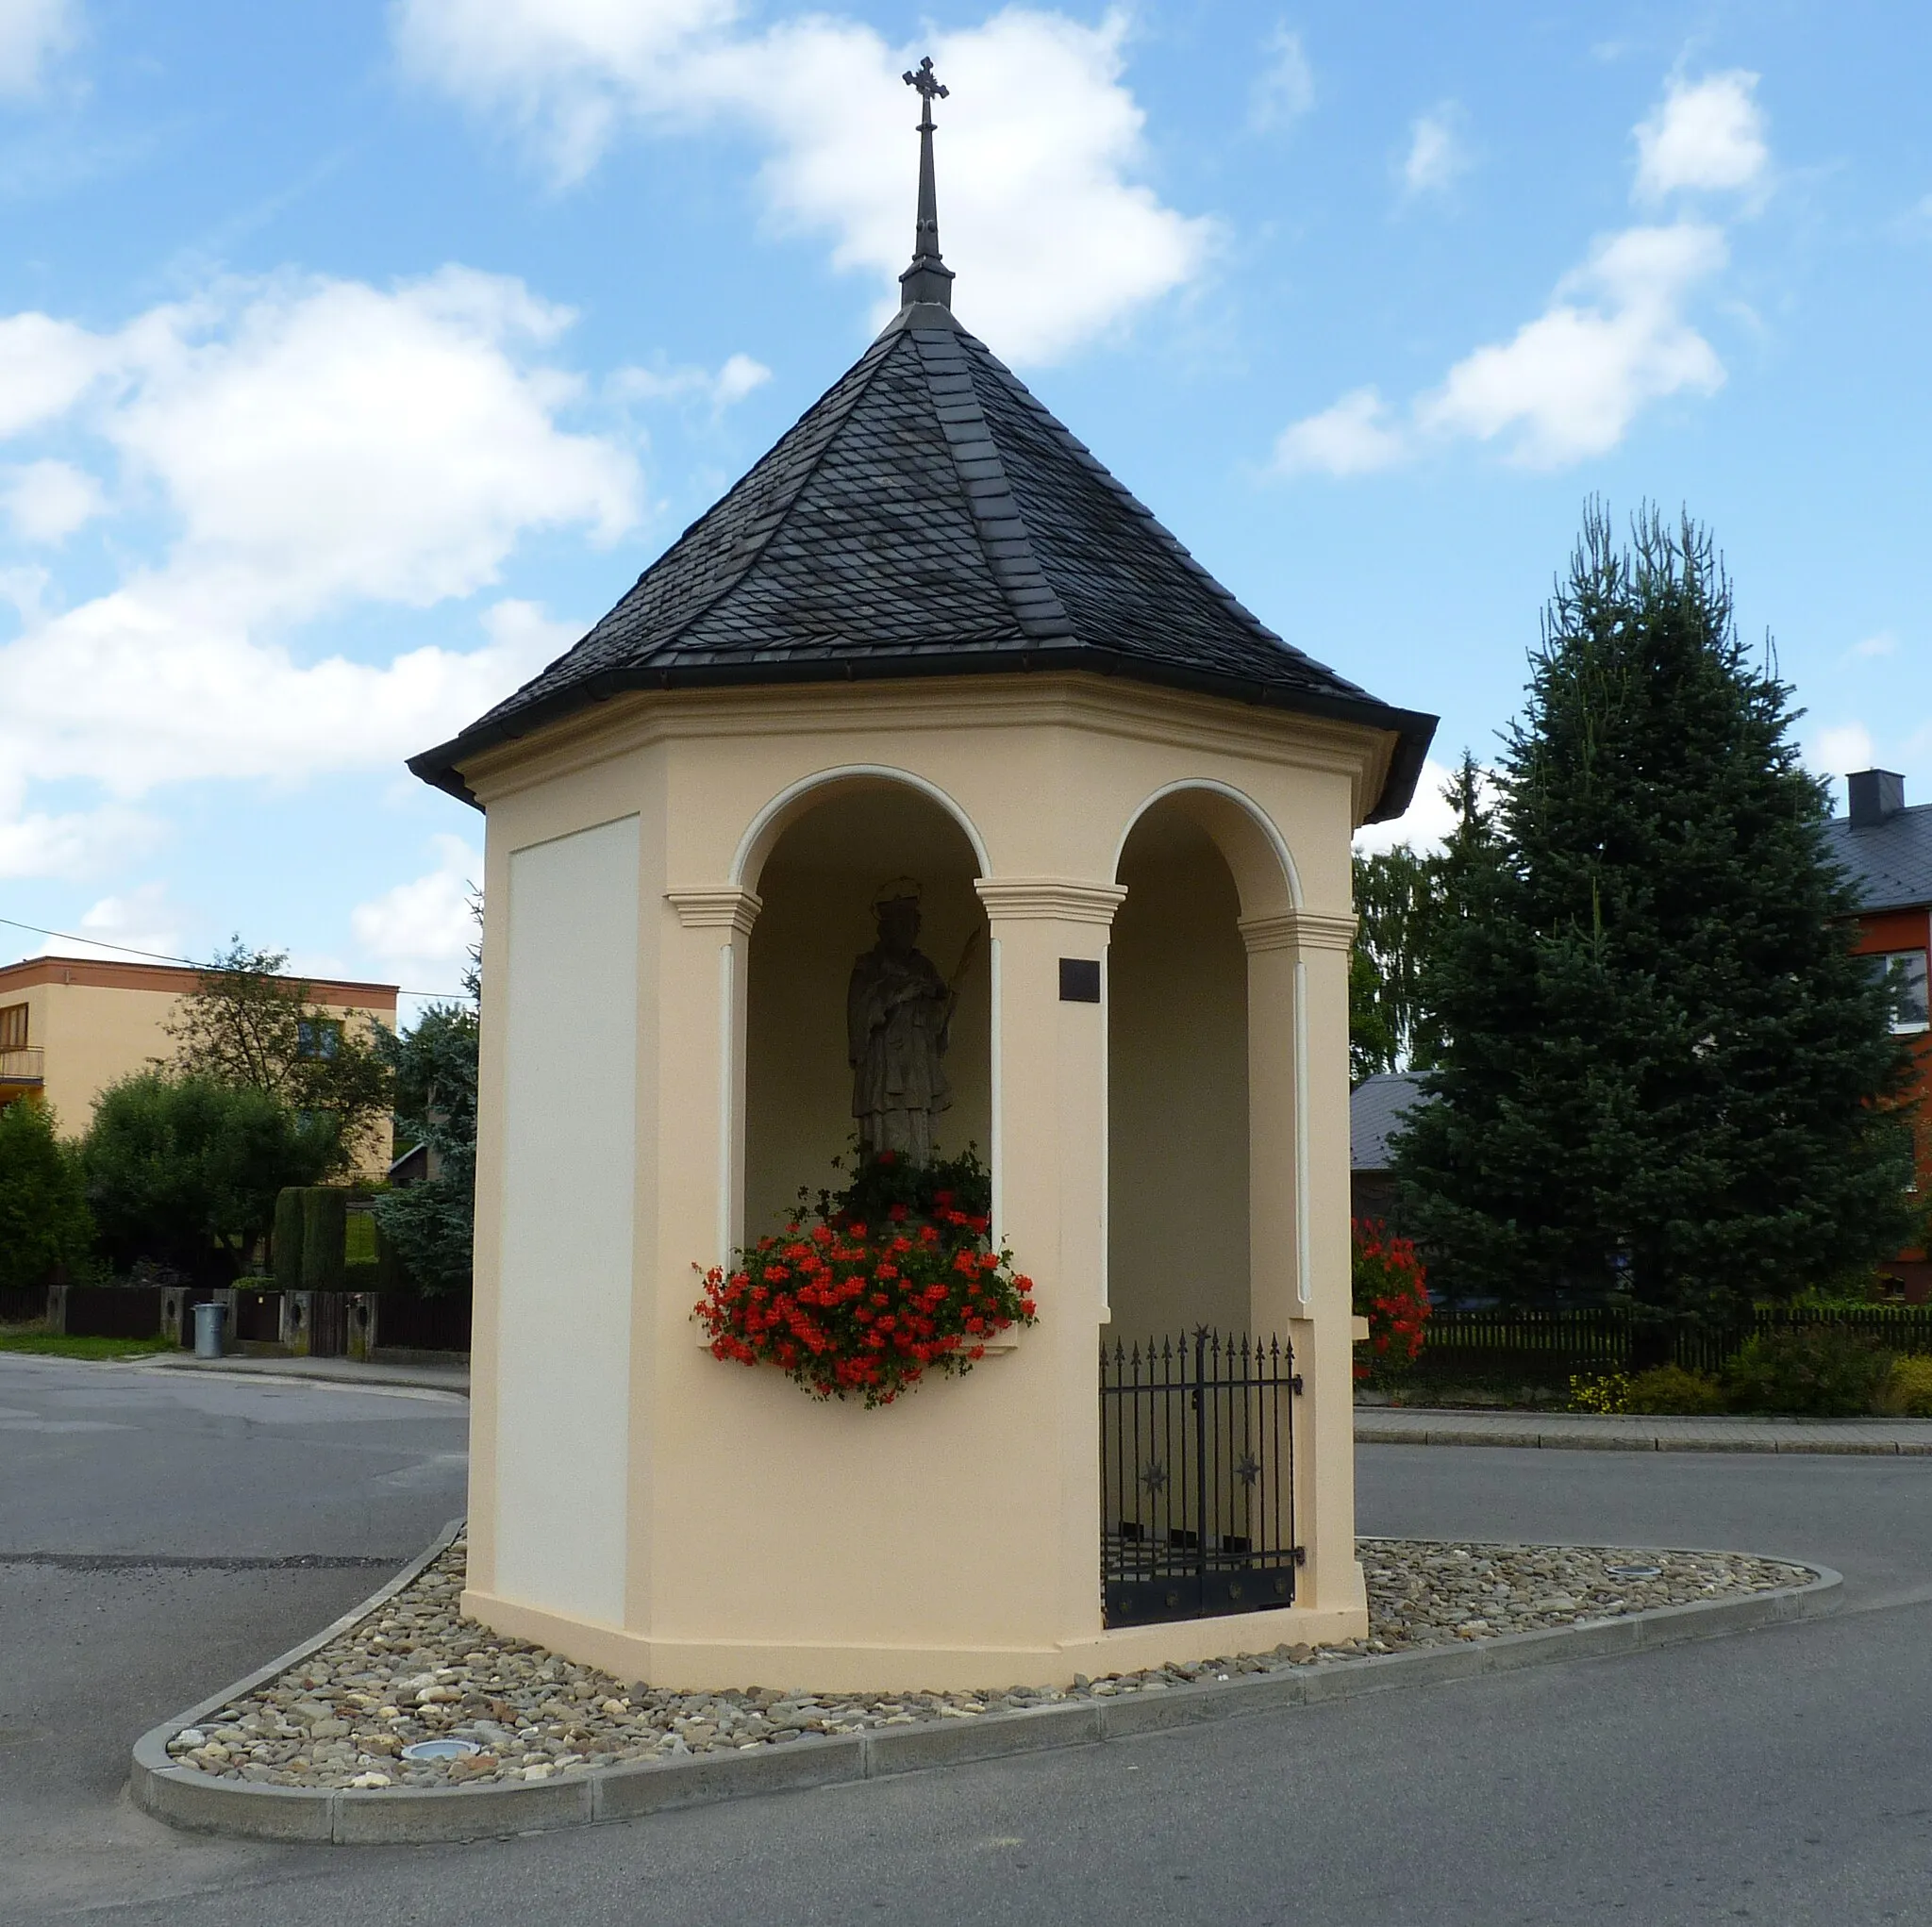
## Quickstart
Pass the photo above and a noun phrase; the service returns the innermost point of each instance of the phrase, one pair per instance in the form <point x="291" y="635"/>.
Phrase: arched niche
<point x="1177" y="1070"/>
<point x="817" y="869"/>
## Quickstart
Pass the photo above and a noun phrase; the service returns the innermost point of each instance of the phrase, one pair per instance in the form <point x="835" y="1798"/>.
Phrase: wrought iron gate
<point x="1197" y="1478"/>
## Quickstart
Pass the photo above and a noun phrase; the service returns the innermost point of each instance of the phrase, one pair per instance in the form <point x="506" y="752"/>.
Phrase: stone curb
<point x="188" y="1799"/>
<point x="393" y="1378"/>
<point x="1562" y="1438"/>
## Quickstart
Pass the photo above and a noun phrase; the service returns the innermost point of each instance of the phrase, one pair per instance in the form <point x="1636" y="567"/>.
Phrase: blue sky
<point x="354" y="357"/>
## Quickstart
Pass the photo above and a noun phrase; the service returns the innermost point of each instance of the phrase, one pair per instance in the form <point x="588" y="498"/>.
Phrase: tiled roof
<point x="1889" y="863"/>
<point x="928" y="517"/>
<point x="1375" y="1106"/>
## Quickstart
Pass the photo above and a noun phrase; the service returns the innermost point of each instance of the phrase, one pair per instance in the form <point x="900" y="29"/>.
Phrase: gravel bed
<point x="416" y="1671"/>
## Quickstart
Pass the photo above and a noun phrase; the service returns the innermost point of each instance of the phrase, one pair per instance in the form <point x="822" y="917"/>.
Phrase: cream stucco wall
<point x="1177" y="1088"/>
<point x="951" y="1540"/>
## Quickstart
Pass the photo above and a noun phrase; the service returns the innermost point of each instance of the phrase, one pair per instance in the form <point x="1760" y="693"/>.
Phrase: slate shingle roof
<point x="1889" y="863"/>
<point x="927" y="516"/>
<point x="1376" y="1107"/>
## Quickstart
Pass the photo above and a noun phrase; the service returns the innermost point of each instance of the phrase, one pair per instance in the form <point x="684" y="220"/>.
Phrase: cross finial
<point x="926" y="82"/>
<point x="928" y="279"/>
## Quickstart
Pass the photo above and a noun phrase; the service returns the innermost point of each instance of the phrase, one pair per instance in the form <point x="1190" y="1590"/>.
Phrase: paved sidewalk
<point x="379" y="1375"/>
<point x="1589" y="1432"/>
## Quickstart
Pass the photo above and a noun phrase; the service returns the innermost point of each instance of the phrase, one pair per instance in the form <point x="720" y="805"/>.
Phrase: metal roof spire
<point x="928" y="278"/>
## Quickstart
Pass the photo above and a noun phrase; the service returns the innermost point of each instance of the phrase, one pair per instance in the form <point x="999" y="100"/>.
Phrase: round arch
<point x="793" y="802"/>
<point x="1253" y="848"/>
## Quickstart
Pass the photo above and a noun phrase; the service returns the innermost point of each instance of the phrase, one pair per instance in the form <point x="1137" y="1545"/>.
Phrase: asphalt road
<point x="161" y="1533"/>
<point x="1782" y="1776"/>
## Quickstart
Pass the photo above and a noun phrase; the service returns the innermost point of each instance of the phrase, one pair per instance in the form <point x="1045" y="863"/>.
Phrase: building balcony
<point x="25" y="1065"/>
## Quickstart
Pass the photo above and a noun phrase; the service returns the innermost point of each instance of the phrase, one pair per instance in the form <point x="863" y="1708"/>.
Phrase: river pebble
<point x="415" y="1669"/>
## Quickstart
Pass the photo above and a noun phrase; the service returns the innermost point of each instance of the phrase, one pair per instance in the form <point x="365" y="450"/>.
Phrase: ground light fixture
<point x="442" y="1749"/>
<point x="1634" y="1571"/>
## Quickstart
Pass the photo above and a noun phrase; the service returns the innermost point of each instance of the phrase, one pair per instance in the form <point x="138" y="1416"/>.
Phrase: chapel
<point x="928" y="713"/>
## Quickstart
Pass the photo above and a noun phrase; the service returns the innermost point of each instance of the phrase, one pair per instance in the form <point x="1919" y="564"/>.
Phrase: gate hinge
<point x="1301" y="1555"/>
<point x="1294" y="1384"/>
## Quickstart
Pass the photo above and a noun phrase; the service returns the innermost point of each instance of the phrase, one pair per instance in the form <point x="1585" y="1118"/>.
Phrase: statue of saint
<point x="898" y="1019"/>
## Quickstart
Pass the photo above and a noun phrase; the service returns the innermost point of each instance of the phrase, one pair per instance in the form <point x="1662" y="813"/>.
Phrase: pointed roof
<point x="927" y="517"/>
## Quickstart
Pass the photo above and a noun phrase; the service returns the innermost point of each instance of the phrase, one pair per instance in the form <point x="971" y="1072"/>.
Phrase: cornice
<point x="718" y="907"/>
<point x="641" y="720"/>
<point x="1297" y="930"/>
<point x="1061" y="898"/>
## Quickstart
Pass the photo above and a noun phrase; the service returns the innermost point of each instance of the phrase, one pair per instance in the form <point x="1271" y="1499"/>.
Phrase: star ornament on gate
<point x="1247" y="1468"/>
<point x="1155" y="1477"/>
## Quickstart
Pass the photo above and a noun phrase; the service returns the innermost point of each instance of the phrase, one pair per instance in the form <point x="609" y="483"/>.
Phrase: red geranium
<point x="852" y="1309"/>
<point x="1391" y="1292"/>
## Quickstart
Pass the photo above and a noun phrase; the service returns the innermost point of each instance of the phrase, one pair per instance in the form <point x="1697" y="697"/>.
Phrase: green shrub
<point x="186" y="1170"/>
<point x="1815" y="1370"/>
<point x="1600" y="1391"/>
<point x="45" y="1221"/>
<point x="287" y="1240"/>
<point x="358" y="1239"/>
<point x="1908" y="1389"/>
<point x="324" y="1222"/>
<point x="1671" y="1388"/>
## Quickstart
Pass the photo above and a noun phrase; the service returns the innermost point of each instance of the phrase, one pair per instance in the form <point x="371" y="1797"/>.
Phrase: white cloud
<point x="1285" y="89"/>
<point x="1041" y="215"/>
<point x="71" y="843"/>
<point x="738" y="378"/>
<point x="45" y="367"/>
<point x="422" y="930"/>
<point x="32" y="34"/>
<point x="47" y="501"/>
<point x="1437" y="155"/>
<point x="1844" y="747"/>
<point x="142" y="921"/>
<point x="324" y="439"/>
<point x="1615" y="338"/>
<point x="1355" y="437"/>
<point x="567" y="71"/>
<point x="1708" y="136"/>
<point x="1882" y="644"/>
<point x="1428" y="820"/>
<point x="1569" y="384"/>
<point x="317" y="443"/>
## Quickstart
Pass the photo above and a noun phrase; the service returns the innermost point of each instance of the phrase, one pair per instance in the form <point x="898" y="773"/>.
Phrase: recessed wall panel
<point x="569" y="1101"/>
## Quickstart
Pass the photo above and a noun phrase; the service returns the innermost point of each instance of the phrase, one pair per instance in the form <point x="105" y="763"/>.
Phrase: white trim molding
<point x="1055" y="899"/>
<point x="1297" y="930"/>
<point x="849" y="772"/>
<point x="716" y="907"/>
<point x="1210" y="785"/>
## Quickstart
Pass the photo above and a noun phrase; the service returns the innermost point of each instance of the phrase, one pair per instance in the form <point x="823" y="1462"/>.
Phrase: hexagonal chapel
<point x="927" y="684"/>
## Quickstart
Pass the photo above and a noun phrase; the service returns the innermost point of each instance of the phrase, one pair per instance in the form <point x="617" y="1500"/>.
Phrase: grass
<point x="53" y="1345"/>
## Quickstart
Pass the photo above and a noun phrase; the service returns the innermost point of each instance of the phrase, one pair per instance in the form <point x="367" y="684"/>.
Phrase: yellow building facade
<point x="71" y="1026"/>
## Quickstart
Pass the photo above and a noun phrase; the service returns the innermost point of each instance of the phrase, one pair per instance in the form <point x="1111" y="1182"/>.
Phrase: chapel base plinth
<point x="702" y="1666"/>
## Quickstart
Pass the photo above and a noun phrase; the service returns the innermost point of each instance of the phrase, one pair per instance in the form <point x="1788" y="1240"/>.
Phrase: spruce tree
<point x="1664" y="1080"/>
<point x="1408" y="905"/>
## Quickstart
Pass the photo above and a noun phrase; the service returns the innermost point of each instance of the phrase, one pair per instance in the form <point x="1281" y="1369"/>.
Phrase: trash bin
<point x="207" y="1330"/>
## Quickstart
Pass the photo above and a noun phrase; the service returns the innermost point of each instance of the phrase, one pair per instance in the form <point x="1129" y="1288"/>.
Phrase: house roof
<point x="1375" y="1106"/>
<point x="1889" y="863"/>
<point x="926" y="516"/>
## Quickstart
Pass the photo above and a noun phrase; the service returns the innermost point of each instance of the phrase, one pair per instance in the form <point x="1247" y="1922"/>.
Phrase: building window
<point x="318" y="1037"/>
<point x="1902" y="973"/>
<point x="13" y="1027"/>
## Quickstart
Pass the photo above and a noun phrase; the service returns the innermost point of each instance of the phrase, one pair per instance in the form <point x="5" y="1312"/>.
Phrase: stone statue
<point x="898" y="1019"/>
